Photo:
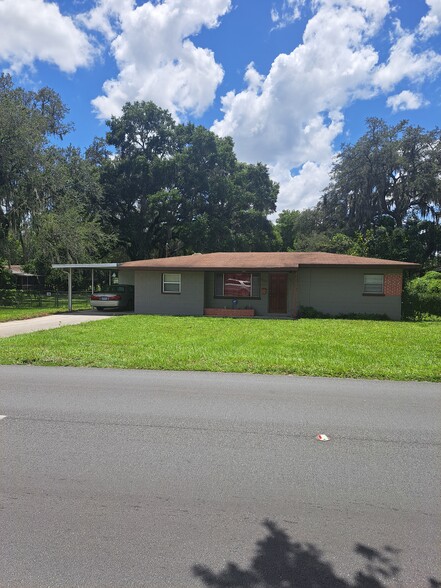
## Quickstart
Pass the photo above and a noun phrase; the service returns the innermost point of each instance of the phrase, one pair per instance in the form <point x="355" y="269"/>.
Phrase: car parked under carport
<point x="115" y="297"/>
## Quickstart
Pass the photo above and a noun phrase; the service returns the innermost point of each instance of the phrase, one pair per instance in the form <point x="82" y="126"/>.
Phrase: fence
<point x="42" y="299"/>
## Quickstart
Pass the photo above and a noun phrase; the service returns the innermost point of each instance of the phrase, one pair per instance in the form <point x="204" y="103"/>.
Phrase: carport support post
<point x="93" y="280"/>
<point x="69" y="290"/>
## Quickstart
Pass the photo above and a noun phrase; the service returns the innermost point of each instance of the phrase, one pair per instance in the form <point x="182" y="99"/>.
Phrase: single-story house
<point x="23" y="280"/>
<point x="266" y="284"/>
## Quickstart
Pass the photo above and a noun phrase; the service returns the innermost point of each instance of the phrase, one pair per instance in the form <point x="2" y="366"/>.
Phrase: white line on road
<point x="2" y="416"/>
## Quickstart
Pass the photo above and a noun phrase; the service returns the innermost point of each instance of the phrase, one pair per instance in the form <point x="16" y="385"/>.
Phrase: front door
<point x="278" y="290"/>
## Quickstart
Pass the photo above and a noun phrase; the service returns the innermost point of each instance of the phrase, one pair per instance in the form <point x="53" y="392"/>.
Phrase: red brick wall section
<point x="229" y="312"/>
<point x="393" y="284"/>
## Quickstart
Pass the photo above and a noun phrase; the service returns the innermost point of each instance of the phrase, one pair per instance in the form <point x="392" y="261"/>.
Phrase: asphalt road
<point x="115" y="478"/>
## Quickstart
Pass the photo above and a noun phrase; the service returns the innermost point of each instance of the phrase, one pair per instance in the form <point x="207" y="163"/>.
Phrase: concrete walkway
<point x="53" y="321"/>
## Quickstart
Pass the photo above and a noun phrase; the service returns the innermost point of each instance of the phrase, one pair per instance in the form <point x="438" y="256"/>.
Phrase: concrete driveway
<point x="53" y="321"/>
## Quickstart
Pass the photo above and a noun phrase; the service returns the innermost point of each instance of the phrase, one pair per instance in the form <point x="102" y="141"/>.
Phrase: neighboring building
<point x="23" y="280"/>
<point x="266" y="284"/>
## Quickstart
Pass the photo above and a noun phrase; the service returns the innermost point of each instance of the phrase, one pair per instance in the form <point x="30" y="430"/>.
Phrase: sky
<point x="289" y="80"/>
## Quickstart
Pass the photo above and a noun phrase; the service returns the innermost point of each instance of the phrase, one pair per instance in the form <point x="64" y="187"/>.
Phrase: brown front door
<point x="278" y="290"/>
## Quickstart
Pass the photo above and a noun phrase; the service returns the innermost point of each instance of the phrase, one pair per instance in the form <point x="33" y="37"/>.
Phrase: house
<point x="266" y="284"/>
<point x="23" y="280"/>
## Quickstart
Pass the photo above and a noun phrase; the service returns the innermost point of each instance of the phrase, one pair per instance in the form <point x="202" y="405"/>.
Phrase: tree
<point x="225" y="203"/>
<point x="385" y="192"/>
<point x="50" y="198"/>
<point x="68" y="226"/>
<point x="175" y="189"/>
<point x="27" y="119"/>
<point x="296" y="229"/>
<point x="144" y="140"/>
<point x="390" y="172"/>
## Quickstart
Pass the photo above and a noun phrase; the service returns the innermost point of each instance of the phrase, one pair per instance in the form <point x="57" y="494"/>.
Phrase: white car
<point x="117" y="297"/>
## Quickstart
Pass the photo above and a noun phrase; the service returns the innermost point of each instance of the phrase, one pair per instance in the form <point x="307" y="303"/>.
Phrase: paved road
<point x="51" y="321"/>
<point x="127" y="478"/>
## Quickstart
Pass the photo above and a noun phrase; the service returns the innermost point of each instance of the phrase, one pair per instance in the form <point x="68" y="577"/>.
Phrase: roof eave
<point x="210" y="269"/>
<point x="399" y="265"/>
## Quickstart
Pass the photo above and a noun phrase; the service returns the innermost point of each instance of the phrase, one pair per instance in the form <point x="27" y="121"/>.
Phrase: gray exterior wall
<point x="126" y="277"/>
<point x="149" y="298"/>
<point x="260" y="305"/>
<point x="340" y="290"/>
<point x="330" y="290"/>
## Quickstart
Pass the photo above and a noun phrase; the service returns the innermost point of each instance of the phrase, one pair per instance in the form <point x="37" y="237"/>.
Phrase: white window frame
<point x="373" y="284"/>
<point x="167" y="281"/>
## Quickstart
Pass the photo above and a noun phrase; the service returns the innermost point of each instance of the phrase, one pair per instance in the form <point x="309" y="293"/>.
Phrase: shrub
<point x="417" y="304"/>
<point x="363" y="316"/>
<point x="8" y="297"/>
<point x="5" y="275"/>
<point x="422" y="296"/>
<point x="313" y="313"/>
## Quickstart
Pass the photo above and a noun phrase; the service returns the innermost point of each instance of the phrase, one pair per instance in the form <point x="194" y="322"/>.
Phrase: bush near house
<point x="422" y="296"/>
<point x="312" y="313"/>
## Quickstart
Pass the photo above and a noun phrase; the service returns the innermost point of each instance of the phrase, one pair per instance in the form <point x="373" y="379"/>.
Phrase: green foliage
<point x="422" y="296"/>
<point x="417" y="305"/>
<point x="308" y="312"/>
<point x="8" y="296"/>
<point x="298" y="230"/>
<point x="27" y="120"/>
<point x="51" y="205"/>
<point x="390" y="172"/>
<point x="429" y="283"/>
<point x="385" y="193"/>
<point x="5" y="275"/>
<point x="176" y="189"/>
<point x="154" y="188"/>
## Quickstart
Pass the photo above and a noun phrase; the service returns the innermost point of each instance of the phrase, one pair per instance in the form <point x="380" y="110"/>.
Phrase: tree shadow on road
<point x="281" y="563"/>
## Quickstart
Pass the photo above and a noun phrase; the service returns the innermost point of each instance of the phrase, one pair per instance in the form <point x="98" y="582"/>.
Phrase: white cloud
<point x="32" y="30"/>
<point x="291" y="117"/>
<point x="156" y="59"/>
<point x="404" y="63"/>
<point x="303" y="189"/>
<point x="406" y="100"/>
<point x="106" y="16"/>
<point x="288" y="12"/>
<point x="431" y="23"/>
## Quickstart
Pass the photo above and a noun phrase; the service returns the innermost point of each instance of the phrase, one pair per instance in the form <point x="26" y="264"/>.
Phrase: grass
<point x="12" y="313"/>
<point x="314" y="347"/>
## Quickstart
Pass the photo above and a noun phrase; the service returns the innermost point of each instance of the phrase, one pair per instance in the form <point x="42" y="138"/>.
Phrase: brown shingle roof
<point x="261" y="261"/>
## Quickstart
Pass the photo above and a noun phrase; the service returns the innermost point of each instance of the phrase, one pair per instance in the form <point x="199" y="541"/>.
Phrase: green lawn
<point x="340" y="348"/>
<point x="12" y="313"/>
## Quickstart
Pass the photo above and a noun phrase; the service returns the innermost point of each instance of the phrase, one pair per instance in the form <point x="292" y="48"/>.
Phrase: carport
<point x="68" y="267"/>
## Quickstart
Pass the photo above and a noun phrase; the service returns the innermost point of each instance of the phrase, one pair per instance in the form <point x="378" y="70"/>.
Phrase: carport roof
<point x="85" y="265"/>
<point x="262" y="261"/>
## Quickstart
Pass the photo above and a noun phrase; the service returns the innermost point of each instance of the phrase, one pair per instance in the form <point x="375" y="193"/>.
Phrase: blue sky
<point x="289" y="80"/>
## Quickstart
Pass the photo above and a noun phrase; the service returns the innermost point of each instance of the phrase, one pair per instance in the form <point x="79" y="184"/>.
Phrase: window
<point x="171" y="283"/>
<point x="237" y="285"/>
<point x="120" y="288"/>
<point x="373" y="284"/>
